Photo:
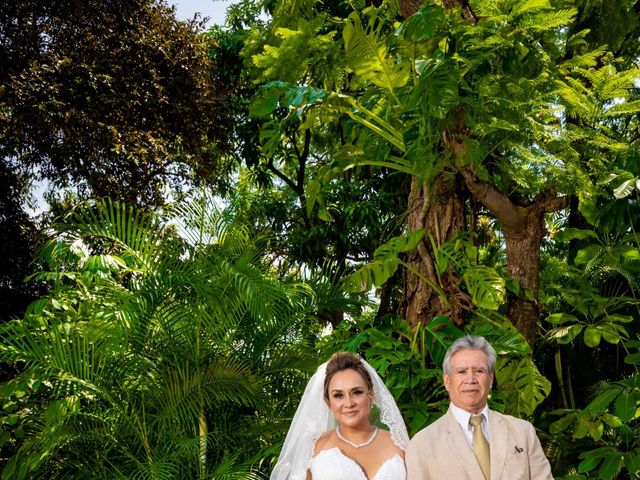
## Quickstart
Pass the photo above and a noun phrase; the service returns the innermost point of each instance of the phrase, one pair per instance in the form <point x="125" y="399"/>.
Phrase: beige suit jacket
<point x="442" y="452"/>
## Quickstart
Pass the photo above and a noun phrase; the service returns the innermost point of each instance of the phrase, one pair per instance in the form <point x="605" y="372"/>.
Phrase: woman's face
<point x="350" y="398"/>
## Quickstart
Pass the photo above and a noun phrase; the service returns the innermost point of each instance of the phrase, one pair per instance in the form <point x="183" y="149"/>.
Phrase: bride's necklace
<point x="354" y="444"/>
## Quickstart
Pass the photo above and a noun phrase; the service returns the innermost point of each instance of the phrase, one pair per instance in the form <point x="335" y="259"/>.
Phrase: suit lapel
<point x="499" y="444"/>
<point x="457" y="443"/>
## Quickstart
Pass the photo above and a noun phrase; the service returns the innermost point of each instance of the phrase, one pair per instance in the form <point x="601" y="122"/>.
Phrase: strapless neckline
<point x="391" y="469"/>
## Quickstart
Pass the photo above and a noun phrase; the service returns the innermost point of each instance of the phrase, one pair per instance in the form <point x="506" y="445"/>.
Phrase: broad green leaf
<point x="522" y="384"/>
<point x="562" y="424"/>
<point x="368" y="55"/>
<point x="375" y="273"/>
<point x="592" y="336"/>
<point x="611" y="334"/>
<point x="560" y="318"/>
<point x="589" y="209"/>
<point x="574" y="233"/>
<point x="486" y="287"/>
<point x="312" y="193"/>
<point x="632" y="359"/>
<point x="587" y="254"/>
<point x="632" y="460"/>
<point x="625" y="406"/>
<point x="628" y="252"/>
<point x="565" y="334"/>
<point x="588" y="464"/>
<point x="583" y="428"/>
<point x="423" y="24"/>
<point x="397" y="245"/>
<point x="625" y="189"/>
<point x="611" y="465"/>
<point x="602" y="401"/>
<point x="264" y="104"/>
<point x="611" y="420"/>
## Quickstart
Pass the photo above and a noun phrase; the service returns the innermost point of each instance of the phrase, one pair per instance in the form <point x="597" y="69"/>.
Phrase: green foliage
<point x="103" y="105"/>
<point x="410" y="362"/>
<point x="598" y="309"/>
<point x="367" y="53"/>
<point x="385" y="263"/>
<point x="153" y="352"/>
<point x="611" y="421"/>
<point x="486" y="287"/>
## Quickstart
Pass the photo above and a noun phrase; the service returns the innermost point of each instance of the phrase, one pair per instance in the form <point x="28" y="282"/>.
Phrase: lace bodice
<point x="332" y="464"/>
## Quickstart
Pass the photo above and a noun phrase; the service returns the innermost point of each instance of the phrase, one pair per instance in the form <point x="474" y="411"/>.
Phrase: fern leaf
<point x="616" y="85"/>
<point x="588" y="60"/>
<point x="546" y="21"/>
<point x="529" y="6"/>
<point x="625" y="108"/>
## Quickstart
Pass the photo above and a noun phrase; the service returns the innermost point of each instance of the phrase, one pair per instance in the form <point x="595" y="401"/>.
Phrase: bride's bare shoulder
<point x="324" y="441"/>
<point x="388" y="444"/>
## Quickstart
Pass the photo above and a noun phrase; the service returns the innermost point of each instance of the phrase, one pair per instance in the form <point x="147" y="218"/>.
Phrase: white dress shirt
<point x="462" y="417"/>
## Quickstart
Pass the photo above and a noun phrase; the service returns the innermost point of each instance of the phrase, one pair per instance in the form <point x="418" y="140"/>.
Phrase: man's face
<point x="469" y="380"/>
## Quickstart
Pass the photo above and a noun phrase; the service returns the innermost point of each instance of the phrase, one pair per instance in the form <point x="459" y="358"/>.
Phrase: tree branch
<point x="282" y="176"/>
<point x="497" y="202"/>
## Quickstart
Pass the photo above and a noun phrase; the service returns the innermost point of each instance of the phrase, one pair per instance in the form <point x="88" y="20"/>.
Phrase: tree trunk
<point x="523" y="227"/>
<point x="439" y="210"/>
<point x="523" y="261"/>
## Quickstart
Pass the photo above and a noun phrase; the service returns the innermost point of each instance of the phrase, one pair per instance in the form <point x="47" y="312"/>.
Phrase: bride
<point x="332" y="436"/>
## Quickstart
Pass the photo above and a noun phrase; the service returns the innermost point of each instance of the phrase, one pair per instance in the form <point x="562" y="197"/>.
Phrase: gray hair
<point x="470" y="342"/>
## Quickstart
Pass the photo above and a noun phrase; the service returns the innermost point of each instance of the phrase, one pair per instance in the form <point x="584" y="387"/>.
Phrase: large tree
<point x="475" y="101"/>
<point x="111" y="98"/>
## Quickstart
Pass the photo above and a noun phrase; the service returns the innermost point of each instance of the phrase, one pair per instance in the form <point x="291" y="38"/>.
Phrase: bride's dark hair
<point x="340" y="361"/>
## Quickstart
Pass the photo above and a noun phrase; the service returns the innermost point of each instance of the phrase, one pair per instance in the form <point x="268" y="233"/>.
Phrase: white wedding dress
<point x="332" y="464"/>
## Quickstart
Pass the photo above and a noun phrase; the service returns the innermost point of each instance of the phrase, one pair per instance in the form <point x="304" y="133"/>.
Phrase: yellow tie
<point x="480" y="445"/>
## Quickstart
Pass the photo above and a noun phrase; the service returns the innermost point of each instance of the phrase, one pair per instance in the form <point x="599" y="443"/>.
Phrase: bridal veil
<point x="313" y="417"/>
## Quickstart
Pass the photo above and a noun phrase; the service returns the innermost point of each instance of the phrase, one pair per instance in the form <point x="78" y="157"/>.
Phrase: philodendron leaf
<point x="522" y="384"/>
<point x="401" y="244"/>
<point x="367" y="53"/>
<point x="486" y="287"/>
<point x="574" y="233"/>
<point x="385" y="262"/>
<point x="375" y="273"/>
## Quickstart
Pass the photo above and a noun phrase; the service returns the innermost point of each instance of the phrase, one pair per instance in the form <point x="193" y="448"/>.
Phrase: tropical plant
<point x="410" y="361"/>
<point x="108" y="107"/>
<point x="153" y="352"/>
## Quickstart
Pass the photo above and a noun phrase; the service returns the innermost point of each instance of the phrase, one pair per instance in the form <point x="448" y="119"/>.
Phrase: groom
<point x="471" y="442"/>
